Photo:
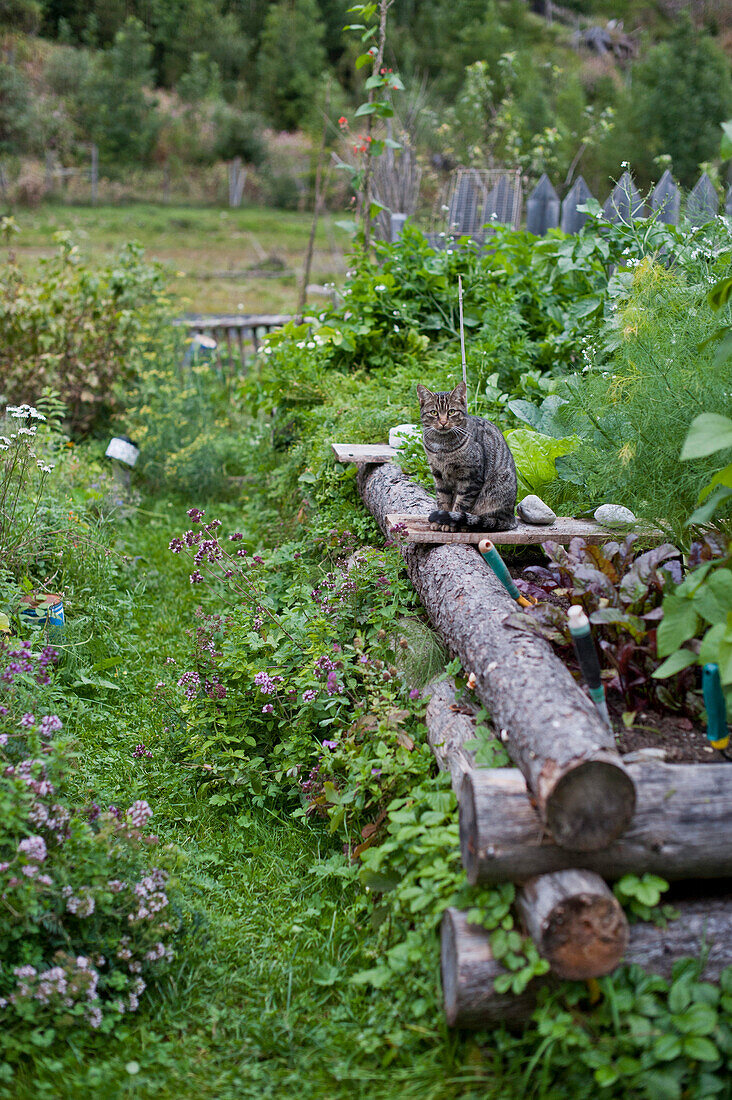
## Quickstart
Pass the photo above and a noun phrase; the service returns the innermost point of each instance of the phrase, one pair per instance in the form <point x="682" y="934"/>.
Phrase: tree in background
<point x="681" y="93"/>
<point x="15" y="109"/>
<point x="116" y="108"/>
<point x="290" y="62"/>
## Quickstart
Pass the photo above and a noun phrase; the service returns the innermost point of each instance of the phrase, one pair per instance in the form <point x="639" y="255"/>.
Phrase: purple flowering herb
<point x="414" y="693"/>
<point x="140" y="751"/>
<point x="329" y="744"/>
<point x="195" y="514"/>
<point x="196" y="577"/>
<point x="267" y="708"/>
<point x="309" y="695"/>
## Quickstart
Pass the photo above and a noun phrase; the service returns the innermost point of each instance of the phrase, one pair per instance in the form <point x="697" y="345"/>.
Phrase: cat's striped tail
<point x="491" y="521"/>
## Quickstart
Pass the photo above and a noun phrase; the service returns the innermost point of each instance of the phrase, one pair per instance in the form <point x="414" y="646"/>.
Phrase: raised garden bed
<point x="573" y="813"/>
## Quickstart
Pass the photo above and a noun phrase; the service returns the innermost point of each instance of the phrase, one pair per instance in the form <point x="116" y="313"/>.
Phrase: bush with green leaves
<point x="79" y="333"/>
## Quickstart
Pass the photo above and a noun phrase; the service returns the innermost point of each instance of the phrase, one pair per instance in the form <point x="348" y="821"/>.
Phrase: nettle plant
<point x="621" y="592"/>
<point x="85" y="919"/>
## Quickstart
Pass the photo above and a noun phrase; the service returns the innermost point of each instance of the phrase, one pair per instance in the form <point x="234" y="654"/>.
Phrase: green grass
<point x="197" y="245"/>
<point x="259" y="1002"/>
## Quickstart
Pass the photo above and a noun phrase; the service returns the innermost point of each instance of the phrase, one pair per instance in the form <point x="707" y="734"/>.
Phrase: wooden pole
<point x="551" y="729"/>
<point x="462" y="337"/>
<point x="317" y="204"/>
<point x="680" y="829"/>
<point x="94" y="175"/>
<point x="703" y="929"/>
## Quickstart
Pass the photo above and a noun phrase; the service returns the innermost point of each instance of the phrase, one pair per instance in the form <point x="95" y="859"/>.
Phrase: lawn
<point x="220" y="261"/>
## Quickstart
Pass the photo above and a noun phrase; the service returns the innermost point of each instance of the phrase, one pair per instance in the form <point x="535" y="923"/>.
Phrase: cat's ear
<point x="423" y="393"/>
<point x="460" y="393"/>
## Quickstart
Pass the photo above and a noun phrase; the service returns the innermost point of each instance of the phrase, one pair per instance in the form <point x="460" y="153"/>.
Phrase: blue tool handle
<point x="714" y="701"/>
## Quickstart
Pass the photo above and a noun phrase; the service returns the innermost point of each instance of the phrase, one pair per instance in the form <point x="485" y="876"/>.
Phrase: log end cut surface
<point x="590" y="805"/>
<point x="586" y="937"/>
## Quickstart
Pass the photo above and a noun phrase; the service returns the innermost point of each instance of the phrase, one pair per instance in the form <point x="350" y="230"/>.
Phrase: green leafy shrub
<point x="79" y="333"/>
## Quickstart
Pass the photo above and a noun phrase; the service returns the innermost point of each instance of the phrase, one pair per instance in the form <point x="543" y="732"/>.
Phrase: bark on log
<point x="577" y="924"/>
<point x="448" y="729"/>
<point x="680" y="829"/>
<point x="552" y="730"/>
<point x="469" y="969"/>
<point x="574" y="920"/>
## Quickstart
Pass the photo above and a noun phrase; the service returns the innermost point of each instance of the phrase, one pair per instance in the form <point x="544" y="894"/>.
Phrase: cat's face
<point x="443" y="412"/>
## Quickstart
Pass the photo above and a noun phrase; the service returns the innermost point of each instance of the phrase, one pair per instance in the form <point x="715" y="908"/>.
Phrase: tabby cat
<point x="474" y="471"/>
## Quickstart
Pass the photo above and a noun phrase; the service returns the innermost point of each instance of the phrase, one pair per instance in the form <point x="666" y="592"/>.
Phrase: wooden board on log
<point x="679" y="831"/>
<point x="551" y="729"/>
<point x="363" y="453"/>
<point x="413" y="528"/>
<point x="703" y="929"/>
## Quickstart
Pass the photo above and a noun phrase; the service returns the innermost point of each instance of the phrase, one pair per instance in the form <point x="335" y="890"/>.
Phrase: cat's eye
<point x="433" y="412"/>
<point x="451" y="412"/>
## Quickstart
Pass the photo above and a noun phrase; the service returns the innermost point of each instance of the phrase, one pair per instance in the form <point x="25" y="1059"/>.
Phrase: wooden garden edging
<point x="551" y="729"/>
<point x="567" y="816"/>
<point x="571" y="915"/>
<point x="679" y="830"/>
<point x="703" y="929"/>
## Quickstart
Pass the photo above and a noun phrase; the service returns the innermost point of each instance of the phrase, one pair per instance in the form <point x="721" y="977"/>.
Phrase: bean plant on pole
<point x="378" y="104"/>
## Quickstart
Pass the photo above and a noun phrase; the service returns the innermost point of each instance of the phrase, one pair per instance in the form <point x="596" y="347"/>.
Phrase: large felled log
<point x="552" y="730"/>
<point x="449" y="727"/>
<point x="469" y="969"/>
<point x="680" y="828"/>
<point x="577" y="924"/>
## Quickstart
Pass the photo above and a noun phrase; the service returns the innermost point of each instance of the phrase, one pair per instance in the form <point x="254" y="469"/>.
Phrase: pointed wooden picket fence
<point x="545" y="211"/>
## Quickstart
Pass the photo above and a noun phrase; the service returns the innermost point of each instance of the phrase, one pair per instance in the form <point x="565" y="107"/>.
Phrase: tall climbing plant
<point x="379" y="87"/>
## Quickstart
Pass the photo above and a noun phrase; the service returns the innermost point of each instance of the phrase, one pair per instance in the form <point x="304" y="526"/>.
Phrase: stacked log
<point x="568" y="815"/>
<point x="572" y="917"/>
<point x="703" y="929"/>
<point x="679" y="830"/>
<point x="551" y="729"/>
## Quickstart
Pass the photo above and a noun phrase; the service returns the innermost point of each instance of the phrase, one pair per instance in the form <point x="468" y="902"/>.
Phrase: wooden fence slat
<point x="624" y="203"/>
<point x="703" y="203"/>
<point x="542" y="208"/>
<point x="573" y="219"/>
<point x="666" y="199"/>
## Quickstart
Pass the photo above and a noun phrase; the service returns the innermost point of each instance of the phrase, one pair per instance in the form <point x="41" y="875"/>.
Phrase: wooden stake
<point x="462" y="337"/>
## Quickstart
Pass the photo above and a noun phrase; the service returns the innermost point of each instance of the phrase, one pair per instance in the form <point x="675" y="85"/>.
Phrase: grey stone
<point x="532" y="509"/>
<point x="614" y="515"/>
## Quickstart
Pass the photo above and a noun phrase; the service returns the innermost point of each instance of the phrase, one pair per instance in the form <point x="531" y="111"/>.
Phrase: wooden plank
<point x="363" y="452"/>
<point x="417" y="529"/>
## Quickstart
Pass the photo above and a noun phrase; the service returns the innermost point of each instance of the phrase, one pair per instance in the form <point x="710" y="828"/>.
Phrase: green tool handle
<point x="498" y="565"/>
<point x="714" y="701"/>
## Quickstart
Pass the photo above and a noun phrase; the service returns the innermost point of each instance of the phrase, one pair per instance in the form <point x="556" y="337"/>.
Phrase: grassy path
<point x="259" y="1001"/>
